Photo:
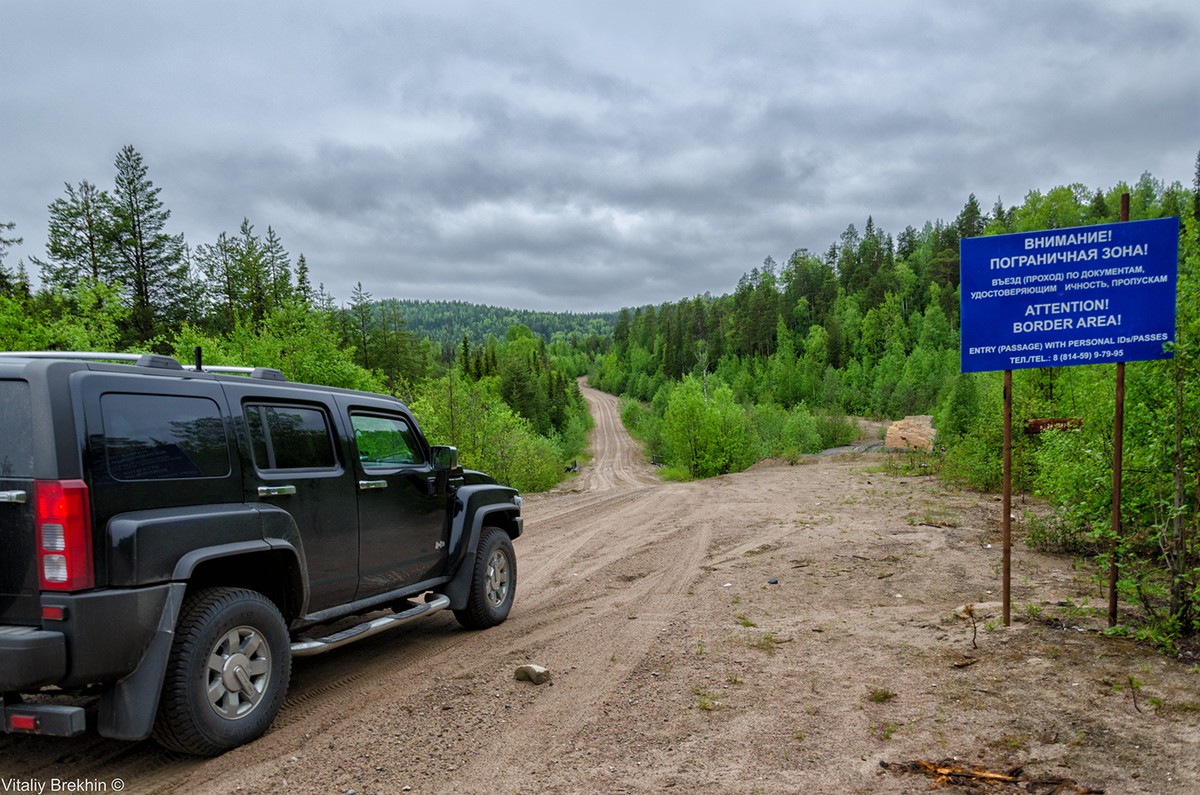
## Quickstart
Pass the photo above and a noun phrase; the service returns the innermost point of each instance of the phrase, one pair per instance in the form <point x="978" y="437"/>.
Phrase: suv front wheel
<point x="227" y="674"/>
<point x="493" y="582"/>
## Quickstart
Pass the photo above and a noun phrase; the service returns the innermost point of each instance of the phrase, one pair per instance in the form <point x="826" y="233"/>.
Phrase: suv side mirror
<point x="445" y="458"/>
<point x="445" y="467"/>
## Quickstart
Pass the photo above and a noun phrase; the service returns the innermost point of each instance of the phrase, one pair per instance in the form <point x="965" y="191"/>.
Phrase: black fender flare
<point x="458" y="589"/>
<point x="147" y="546"/>
<point x="156" y="546"/>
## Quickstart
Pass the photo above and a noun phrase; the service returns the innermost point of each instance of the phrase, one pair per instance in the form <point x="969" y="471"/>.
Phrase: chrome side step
<point x="307" y="647"/>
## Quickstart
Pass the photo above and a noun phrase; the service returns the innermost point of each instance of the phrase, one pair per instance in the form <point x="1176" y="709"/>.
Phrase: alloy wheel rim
<point x="239" y="669"/>
<point x="497" y="578"/>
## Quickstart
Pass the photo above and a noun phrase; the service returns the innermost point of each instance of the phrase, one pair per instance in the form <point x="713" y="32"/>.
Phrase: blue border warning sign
<point x="1086" y="295"/>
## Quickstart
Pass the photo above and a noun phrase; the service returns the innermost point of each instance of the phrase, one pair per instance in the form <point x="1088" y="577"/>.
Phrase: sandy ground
<point x="787" y="629"/>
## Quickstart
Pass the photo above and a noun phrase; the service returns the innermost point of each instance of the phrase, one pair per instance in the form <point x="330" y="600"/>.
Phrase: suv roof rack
<point x="266" y="373"/>
<point x="140" y="359"/>
<point x="148" y="360"/>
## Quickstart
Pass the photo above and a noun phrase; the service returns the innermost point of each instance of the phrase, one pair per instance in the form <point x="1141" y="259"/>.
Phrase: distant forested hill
<point x="447" y="321"/>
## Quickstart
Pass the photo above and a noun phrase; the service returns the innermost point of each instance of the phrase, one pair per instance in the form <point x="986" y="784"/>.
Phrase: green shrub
<point x="835" y="429"/>
<point x="707" y="436"/>
<point x="801" y="434"/>
<point x="768" y="420"/>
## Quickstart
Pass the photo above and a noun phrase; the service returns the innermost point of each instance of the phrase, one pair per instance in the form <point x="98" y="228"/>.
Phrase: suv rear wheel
<point x="227" y="674"/>
<point x="493" y="582"/>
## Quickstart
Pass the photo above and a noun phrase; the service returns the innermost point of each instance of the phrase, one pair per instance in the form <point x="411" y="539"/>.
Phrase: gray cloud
<point x="568" y="156"/>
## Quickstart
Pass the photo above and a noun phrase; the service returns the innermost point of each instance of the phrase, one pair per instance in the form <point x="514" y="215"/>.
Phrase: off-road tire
<point x="493" y="582"/>
<point x="206" y="710"/>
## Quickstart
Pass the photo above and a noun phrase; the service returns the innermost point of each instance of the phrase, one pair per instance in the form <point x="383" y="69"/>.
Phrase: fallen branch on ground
<point x="946" y="773"/>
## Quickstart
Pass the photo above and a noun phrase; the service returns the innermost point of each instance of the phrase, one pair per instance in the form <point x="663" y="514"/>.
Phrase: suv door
<point x="401" y="514"/>
<point x="298" y="466"/>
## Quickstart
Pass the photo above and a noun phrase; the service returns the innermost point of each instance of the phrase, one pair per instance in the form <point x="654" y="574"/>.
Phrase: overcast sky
<point x="583" y="156"/>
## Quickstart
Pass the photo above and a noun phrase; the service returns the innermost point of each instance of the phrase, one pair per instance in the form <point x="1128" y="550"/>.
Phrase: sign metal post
<point x="1118" y="460"/>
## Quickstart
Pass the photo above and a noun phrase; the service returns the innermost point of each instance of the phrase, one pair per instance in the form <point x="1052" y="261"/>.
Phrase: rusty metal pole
<point x="1118" y="445"/>
<point x="1118" y="457"/>
<point x="1006" y="522"/>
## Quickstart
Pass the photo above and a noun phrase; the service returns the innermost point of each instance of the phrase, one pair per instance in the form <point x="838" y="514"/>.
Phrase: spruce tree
<point x="1196" y="190"/>
<point x="464" y="356"/>
<point x="256" y="281"/>
<point x="304" y="289"/>
<point x="6" y="242"/>
<point x="971" y="221"/>
<point x="362" y="323"/>
<point x="151" y="264"/>
<point x="79" y="244"/>
<point x="9" y="281"/>
<point x="218" y="262"/>
<point x="279" y="273"/>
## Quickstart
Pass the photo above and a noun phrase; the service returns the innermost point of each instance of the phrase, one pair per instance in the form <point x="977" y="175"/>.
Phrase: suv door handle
<point x="367" y="485"/>
<point x="12" y="496"/>
<point x="275" y="491"/>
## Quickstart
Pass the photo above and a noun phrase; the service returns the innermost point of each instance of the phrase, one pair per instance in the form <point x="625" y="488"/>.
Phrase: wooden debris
<point x="950" y="773"/>
<point x="947" y="773"/>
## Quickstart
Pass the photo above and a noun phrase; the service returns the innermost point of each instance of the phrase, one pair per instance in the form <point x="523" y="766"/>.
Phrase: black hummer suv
<point x="170" y="538"/>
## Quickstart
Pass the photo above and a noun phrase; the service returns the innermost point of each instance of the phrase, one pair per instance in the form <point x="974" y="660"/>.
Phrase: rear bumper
<point x="31" y="657"/>
<point x="101" y="638"/>
<point x="118" y="638"/>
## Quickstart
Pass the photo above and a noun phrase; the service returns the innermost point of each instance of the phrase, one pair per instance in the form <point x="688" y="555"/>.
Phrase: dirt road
<point x="786" y="629"/>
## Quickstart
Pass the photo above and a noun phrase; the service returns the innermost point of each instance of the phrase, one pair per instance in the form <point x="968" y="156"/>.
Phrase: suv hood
<point x="473" y="478"/>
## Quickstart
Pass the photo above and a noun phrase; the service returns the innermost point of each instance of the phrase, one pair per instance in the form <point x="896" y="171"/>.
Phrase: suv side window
<point x="163" y="437"/>
<point x="385" y="442"/>
<point x="16" y="440"/>
<point x="290" y="437"/>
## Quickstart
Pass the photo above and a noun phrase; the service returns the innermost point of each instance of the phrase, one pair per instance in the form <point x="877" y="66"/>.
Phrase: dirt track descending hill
<point x="680" y="666"/>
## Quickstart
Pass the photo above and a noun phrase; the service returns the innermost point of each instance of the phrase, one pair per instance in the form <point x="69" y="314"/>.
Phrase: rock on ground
<point x="911" y="433"/>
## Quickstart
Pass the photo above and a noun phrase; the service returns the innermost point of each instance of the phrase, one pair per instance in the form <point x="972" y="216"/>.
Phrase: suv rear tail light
<point x="64" y="535"/>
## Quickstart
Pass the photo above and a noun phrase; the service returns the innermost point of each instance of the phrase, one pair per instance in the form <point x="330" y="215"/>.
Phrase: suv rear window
<point x="163" y="437"/>
<point x="16" y="439"/>
<point x="290" y="437"/>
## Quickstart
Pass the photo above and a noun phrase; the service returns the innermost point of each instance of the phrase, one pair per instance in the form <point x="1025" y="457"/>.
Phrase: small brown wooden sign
<point x="1034" y="427"/>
